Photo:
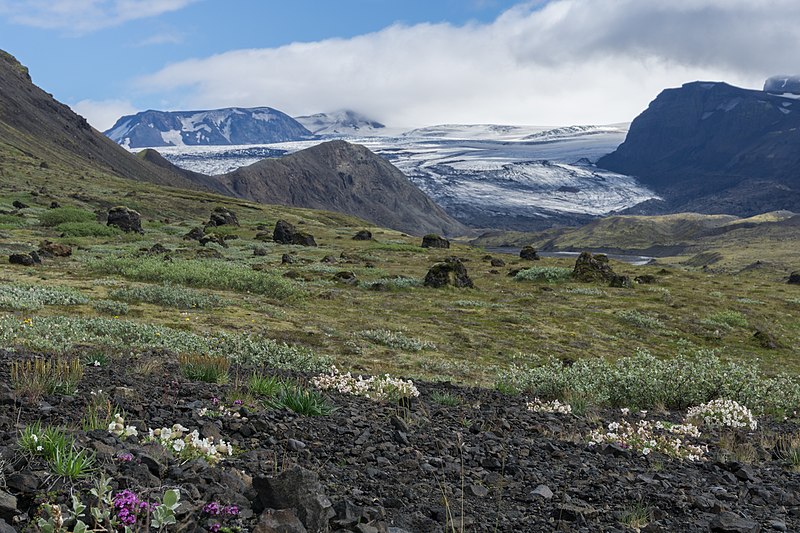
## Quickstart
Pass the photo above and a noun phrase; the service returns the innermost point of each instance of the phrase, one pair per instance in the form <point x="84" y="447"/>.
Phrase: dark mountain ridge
<point x="714" y="148"/>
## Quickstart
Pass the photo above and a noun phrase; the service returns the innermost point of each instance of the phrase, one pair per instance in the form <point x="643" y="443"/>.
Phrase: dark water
<point x="630" y="259"/>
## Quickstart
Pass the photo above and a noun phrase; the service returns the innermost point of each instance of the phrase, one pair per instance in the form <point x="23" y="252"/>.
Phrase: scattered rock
<point x="572" y="513"/>
<point x="728" y="522"/>
<point x="52" y="249"/>
<point x="279" y="521"/>
<point x="794" y="278"/>
<point x="592" y="267"/>
<point x="363" y="235"/>
<point x="495" y="262"/>
<point x="529" y="253"/>
<point x="222" y="216"/>
<point x="298" y="489"/>
<point x="125" y="219"/>
<point x="432" y="240"/>
<point x="213" y="238"/>
<point x="54" y="205"/>
<point x="543" y="491"/>
<point x="8" y="505"/>
<point x="287" y="259"/>
<point x="303" y="239"/>
<point x="19" y="205"/>
<point x="195" y="234"/>
<point x="260" y="251"/>
<point x="158" y="249"/>
<point x="449" y="272"/>
<point x="766" y="339"/>
<point x="345" y="276"/>
<point x="29" y="259"/>
<point x="645" y="279"/>
<point x="329" y="259"/>
<point x="285" y="233"/>
<point x="620" y="281"/>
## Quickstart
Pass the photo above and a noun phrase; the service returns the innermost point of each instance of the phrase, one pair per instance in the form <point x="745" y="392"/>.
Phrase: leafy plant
<point x="546" y="274"/>
<point x="26" y="297"/>
<point x="207" y="368"/>
<point x="87" y="229"/>
<point x="33" y="378"/>
<point x="72" y="463"/>
<point x="265" y="386"/>
<point x="64" y="215"/>
<point x="169" y="296"/>
<point x="445" y="398"/>
<point x="640" y="320"/>
<point x="110" y="307"/>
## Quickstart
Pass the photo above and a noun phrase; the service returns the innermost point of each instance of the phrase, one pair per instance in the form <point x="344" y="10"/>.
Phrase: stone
<point x="543" y="491"/>
<point x="347" y="277"/>
<point x="213" y="238"/>
<point x="5" y="527"/>
<point x="158" y="249"/>
<point x="283" y="232"/>
<point x="449" y="272"/>
<point x="287" y="259"/>
<point x="766" y="339"/>
<point x="529" y="253"/>
<point x="572" y="513"/>
<point x="728" y="522"/>
<point x="52" y="249"/>
<point x="645" y="279"/>
<point x="363" y="235"/>
<point x="8" y="505"/>
<point x="29" y="259"/>
<point x="794" y="278"/>
<point x="195" y="234"/>
<point x="280" y="521"/>
<point x="259" y="251"/>
<point x="300" y="490"/>
<point x="303" y="239"/>
<point x="54" y="205"/>
<point x="592" y="267"/>
<point x="495" y="262"/>
<point x="479" y="491"/>
<point x="778" y="525"/>
<point x="25" y="482"/>
<point x="19" y="205"/>
<point x="222" y="216"/>
<point x="620" y="282"/>
<point x="125" y="219"/>
<point x="331" y="260"/>
<point x="432" y="240"/>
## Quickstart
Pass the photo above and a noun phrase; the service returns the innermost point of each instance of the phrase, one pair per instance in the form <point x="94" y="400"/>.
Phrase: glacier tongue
<point x="485" y="175"/>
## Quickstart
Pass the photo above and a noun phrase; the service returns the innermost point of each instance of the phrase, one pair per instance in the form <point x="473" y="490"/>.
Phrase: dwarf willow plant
<point x="59" y="333"/>
<point x="396" y="339"/>
<point x="168" y="296"/>
<point x="65" y="215"/>
<point x="546" y="274"/>
<point x="27" y="297"/>
<point x="644" y="381"/>
<point x="201" y="273"/>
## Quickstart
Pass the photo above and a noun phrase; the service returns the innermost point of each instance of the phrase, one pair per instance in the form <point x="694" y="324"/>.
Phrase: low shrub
<point x="640" y="320"/>
<point x="26" y="297"/>
<point x="201" y="273"/>
<point x="110" y="307"/>
<point x="65" y="215"/>
<point x="87" y="229"/>
<point x="168" y="296"/>
<point x="546" y="274"/>
<point x="396" y="339"/>
<point x="726" y="320"/>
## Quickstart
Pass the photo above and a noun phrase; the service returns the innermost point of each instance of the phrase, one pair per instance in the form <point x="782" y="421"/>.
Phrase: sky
<point x="406" y="63"/>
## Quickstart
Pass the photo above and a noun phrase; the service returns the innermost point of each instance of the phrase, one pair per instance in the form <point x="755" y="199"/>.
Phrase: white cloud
<point x="103" y="114"/>
<point x="566" y="61"/>
<point x="83" y="16"/>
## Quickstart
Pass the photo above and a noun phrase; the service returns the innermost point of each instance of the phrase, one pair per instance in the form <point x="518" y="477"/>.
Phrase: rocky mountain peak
<point x="783" y="84"/>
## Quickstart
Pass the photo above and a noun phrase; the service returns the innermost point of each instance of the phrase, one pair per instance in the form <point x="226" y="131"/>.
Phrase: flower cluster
<point x="646" y="436"/>
<point x="555" y="406"/>
<point x="376" y="387"/>
<point x="723" y="413"/>
<point x="220" y="410"/>
<point x="129" y="507"/>
<point x="119" y="429"/>
<point x="189" y="445"/>
<point x="220" y="513"/>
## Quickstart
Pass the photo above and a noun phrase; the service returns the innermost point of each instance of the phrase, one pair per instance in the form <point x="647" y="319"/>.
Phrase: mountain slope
<point x="36" y="125"/>
<point x="345" y="122"/>
<point x="715" y="148"/>
<point x="235" y="125"/>
<point x="339" y="176"/>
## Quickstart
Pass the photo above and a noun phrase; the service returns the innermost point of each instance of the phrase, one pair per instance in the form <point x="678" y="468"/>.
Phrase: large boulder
<point x="29" y="259"/>
<point x="794" y="278"/>
<point x="592" y="267"/>
<point x="285" y="233"/>
<point x="297" y="489"/>
<point x="303" y="239"/>
<point x="432" y="240"/>
<point x="451" y="271"/>
<point x="54" y="249"/>
<point x="529" y="253"/>
<point x="363" y="235"/>
<point x="125" y="219"/>
<point x="194" y="234"/>
<point x="222" y="216"/>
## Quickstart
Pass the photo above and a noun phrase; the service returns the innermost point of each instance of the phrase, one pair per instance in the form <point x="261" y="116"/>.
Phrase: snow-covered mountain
<point x="235" y="125"/>
<point x="518" y="177"/>
<point x="340" y="124"/>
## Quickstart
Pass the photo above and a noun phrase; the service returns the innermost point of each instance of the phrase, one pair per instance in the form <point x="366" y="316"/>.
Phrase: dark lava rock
<point x="8" y="505"/>
<point x="529" y="253"/>
<point x="346" y="277"/>
<point x="620" y="281"/>
<point x="222" y="216"/>
<point x="497" y="262"/>
<point x="158" y="249"/>
<point x="592" y="267"/>
<point x="363" y="235"/>
<point x="794" y="278"/>
<point x="53" y="249"/>
<point x="125" y="219"/>
<point x="260" y="252"/>
<point x="449" y="272"/>
<point x="29" y="259"/>
<point x="54" y="205"/>
<point x="279" y="521"/>
<point x="195" y="234"/>
<point x="287" y="259"/>
<point x="19" y="205"/>
<point x="298" y="489"/>
<point x="213" y="238"/>
<point x="728" y="522"/>
<point x="331" y="260"/>
<point x="303" y="239"/>
<point x="283" y="232"/>
<point x="645" y="279"/>
<point x="432" y="240"/>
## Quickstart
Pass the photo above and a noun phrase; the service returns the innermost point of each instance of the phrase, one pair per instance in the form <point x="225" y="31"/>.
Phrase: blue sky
<point x="407" y="63"/>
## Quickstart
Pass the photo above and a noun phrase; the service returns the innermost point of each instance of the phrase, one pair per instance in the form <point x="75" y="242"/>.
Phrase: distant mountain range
<point x="710" y="147"/>
<point x="340" y="123"/>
